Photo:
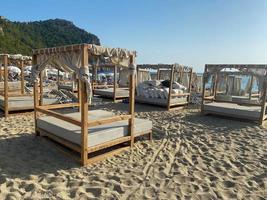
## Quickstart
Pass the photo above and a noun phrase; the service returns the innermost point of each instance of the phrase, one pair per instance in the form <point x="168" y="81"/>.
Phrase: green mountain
<point x="22" y="37"/>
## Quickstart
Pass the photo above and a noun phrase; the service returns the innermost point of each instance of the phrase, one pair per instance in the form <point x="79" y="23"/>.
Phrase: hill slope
<point x="22" y="37"/>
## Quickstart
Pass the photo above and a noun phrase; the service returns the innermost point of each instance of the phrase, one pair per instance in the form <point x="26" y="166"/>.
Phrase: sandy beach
<point x="191" y="157"/>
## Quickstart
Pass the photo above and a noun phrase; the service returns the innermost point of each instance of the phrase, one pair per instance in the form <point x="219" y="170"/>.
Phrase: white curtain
<point x="68" y="62"/>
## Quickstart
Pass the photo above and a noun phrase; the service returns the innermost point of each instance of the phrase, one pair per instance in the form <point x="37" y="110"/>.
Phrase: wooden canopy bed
<point x="13" y="97"/>
<point x="172" y="99"/>
<point x="114" y="91"/>
<point x="87" y="132"/>
<point x="225" y="92"/>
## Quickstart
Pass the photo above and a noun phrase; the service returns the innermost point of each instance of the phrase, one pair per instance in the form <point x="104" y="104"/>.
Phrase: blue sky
<point x="190" y="32"/>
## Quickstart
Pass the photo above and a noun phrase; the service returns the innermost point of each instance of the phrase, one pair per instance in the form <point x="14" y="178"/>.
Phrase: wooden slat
<point x="106" y="155"/>
<point x="109" y="144"/>
<point x="20" y="95"/>
<point x="60" y="140"/>
<point x="55" y="106"/>
<point x="59" y="116"/>
<point x="108" y="120"/>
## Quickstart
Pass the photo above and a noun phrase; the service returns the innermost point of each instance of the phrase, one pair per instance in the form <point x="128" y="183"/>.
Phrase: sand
<point x="191" y="157"/>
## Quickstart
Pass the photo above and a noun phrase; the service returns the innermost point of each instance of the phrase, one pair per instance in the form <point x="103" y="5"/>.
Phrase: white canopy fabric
<point x="70" y="61"/>
<point x="258" y="70"/>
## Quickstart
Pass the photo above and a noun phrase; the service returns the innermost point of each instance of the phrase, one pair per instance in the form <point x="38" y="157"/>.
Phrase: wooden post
<point x="84" y="111"/>
<point x="263" y="106"/>
<point x="170" y="88"/>
<point x="22" y="77"/>
<point x="1" y="78"/>
<point x="190" y="85"/>
<point x="6" y="85"/>
<point x="158" y="73"/>
<point x="214" y="88"/>
<point x="41" y="88"/>
<point x="58" y="79"/>
<point x="250" y="87"/>
<point x="138" y="76"/>
<point x="131" y="103"/>
<point x="93" y="78"/>
<point x="203" y="90"/>
<point x="35" y="97"/>
<point x="115" y="84"/>
<point x="79" y="94"/>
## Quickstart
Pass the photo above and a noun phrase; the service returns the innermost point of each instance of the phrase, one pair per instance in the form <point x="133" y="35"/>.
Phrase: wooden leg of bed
<point x="105" y="155"/>
<point x="6" y="113"/>
<point x="150" y="136"/>
<point x="37" y="132"/>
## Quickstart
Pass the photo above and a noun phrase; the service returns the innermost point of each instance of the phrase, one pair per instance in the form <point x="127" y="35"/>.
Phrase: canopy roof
<point x="97" y="54"/>
<point x="70" y="59"/>
<point x="257" y="69"/>
<point x="177" y="67"/>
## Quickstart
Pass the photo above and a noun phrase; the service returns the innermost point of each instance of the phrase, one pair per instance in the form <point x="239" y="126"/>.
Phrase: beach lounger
<point x="96" y="135"/>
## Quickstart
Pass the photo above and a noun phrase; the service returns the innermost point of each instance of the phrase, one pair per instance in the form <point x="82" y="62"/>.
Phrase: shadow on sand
<point x="24" y="155"/>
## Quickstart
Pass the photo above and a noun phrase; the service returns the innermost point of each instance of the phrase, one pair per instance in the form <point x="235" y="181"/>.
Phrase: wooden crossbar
<point x="59" y="116"/>
<point x="180" y="95"/>
<point x="109" y="144"/>
<point x="55" y="106"/>
<point x="108" y="120"/>
<point x="20" y="95"/>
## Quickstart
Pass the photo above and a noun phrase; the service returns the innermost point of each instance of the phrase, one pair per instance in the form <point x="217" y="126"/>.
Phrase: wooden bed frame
<point x="173" y="70"/>
<point x="115" y="85"/>
<point x="8" y="93"/>
<point x="214" y="90"/>
<point x="83" y="149"/>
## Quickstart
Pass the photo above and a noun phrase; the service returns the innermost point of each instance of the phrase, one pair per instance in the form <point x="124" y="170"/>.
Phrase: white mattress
<point x="97" y="134"/>
<point x="22" y="102"/>
<point x="233" y="109"/>
<point x="120" y="92"/>
<point x="160" y="102"/>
